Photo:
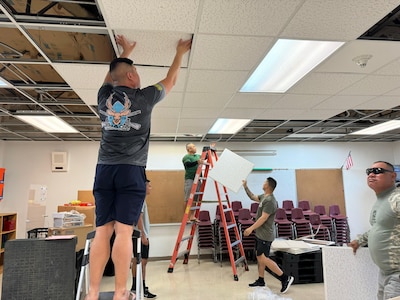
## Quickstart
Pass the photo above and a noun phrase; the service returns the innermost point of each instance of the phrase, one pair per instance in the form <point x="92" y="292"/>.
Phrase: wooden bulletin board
<point x="166" y="201"/>
<point x="321" y="187"/>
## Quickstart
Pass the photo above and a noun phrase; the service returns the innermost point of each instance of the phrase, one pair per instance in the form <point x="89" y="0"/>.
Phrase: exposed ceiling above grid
<point x="56" y="55"/>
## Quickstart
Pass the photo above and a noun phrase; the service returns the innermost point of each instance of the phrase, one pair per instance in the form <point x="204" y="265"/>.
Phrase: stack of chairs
<point x="301" y="226"/>
<point x="340" y="225"/>
<point x="220" y="234"/>
<point x="287" y="205"/>
<point x="305" y="206"/>
<point x="205" y="234"/>
<point x="325" y="219"/>
<point x="283" y="227"/>
<point x="320" y="231"/>
<point x="236" y="205"/>
<point x="253" y="209"/>
<point x="245" y="220"/>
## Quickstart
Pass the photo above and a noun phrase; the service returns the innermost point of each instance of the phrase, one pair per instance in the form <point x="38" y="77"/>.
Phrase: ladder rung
<point x="194" y="207"/>
<point x="187" y="238"/>
<point x="239" y="260"/>
<point x="230" y="226"/>
<point x="227" y="209"/>
<point x="180" y="254"/>
<point x="199" y="193"/>
<point x="235" y="243"/>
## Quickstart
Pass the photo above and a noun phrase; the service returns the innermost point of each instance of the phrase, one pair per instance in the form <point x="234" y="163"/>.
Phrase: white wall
<point x="29" y="163"/>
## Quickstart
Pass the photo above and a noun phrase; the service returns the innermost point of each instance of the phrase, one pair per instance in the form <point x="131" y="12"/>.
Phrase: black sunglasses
<point x="377" y="171"/>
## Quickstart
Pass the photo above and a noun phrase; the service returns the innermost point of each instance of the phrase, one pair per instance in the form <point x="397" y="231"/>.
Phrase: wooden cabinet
<point x="8" y="232"/>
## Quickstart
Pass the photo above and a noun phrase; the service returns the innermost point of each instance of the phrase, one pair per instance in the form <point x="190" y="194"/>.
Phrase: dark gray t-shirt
<point x="125" y="115"/>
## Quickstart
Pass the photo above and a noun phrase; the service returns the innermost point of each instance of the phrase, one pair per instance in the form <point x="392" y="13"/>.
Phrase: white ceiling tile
<point x="342" y="60"/>
<point x="153" y="75"/>
<point x="206" y="100"/>
<point x="335" y="20"/>
<point x="324" y="83"/>
<point x="155" y="48"/>
<point x="253" y="100"/>
<point x="229" y="52"/>
<point x="89" y="96"/>
<point x="298" y="101"/>
<point x="162" y="15"/>
<point x="195" y="126"/>
<point x="391" y="69"/>
<point x="279" y="114"/>
<point x="238" y="17"/>
<point x="82" y="76"/>
<point x="161" y="125"/>
<point x="199" y="113"/>
<point x="173" y="99"/>
<point x="342" y="102"/>
<point x="373" y="85"/>
<point x="380" y="102"/>
<point x="160" y="112"/>
<point x="216" y="81"/>
<point x="240" y="113"/>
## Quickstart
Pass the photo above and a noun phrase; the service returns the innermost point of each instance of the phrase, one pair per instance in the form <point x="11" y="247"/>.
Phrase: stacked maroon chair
<point x="340" y="225"/>
<point x="305" y="206"/>
<point x="222" y="245"/>
<point x="320" y="231"/>
<point x="302" y="226"/>
<point x="287" y="205"/>
<point x="325" y="219"/>
<point x="283" y="227"/>
<point x="253" y="209"/>
<point x="245" y="220"/>
<point x="205" y="234"/>
<point x="236" y="205"/>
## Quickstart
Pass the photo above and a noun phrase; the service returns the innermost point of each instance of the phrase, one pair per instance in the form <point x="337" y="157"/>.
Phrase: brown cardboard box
<point x="89" y="211"/>
<point x="80" y="232"/>
<point x="86" y="196"/>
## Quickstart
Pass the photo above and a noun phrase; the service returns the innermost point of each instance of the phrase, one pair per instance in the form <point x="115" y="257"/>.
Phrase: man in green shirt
<point x="191" y="161"/>
<point x="383" y="238"/>
<point x="264" y="228"/>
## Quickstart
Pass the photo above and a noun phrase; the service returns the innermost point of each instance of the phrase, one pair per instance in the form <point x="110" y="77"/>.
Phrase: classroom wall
<point x="29" y="163"/>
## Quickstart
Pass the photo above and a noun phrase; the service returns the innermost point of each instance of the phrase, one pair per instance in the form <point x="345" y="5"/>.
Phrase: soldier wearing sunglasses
<point x="383" y="238"/>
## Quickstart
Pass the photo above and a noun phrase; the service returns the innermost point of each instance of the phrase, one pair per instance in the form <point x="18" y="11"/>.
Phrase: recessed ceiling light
<point x="286" y="63"/>
<point x="228" y="126"/>
<point x="47" y="123"/>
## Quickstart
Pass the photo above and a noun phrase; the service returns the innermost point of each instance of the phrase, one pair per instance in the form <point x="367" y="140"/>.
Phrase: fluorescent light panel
<point x="286" y="63"/>
<point x="51" y="124"/>
<point x="228" y="126"/>
<point x="4" y="83"/>
<point x="386" y="126"/>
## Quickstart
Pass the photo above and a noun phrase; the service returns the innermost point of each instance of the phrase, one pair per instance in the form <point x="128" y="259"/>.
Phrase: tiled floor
<point x="208" y="280"/>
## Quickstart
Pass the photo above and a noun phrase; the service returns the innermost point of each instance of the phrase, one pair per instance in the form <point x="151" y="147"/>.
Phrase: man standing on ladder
<point x="191" y="161"/>
<point x="119" y="185"/>
<point x="264" y="227"/>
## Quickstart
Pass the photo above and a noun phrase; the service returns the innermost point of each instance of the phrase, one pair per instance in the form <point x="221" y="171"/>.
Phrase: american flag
<point x="349" y="162"/>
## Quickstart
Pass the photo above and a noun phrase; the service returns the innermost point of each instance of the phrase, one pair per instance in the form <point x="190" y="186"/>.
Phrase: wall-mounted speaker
<point x="59" y="162"/>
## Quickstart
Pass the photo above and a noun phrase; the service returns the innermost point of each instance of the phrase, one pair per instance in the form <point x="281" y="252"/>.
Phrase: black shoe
<point x="147" y="294"/>
<point x="258" y="282"/>
<point x="286" y="284"/>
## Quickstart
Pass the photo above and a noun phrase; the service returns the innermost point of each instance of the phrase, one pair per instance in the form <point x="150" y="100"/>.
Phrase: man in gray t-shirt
<point x="119" y="186"/>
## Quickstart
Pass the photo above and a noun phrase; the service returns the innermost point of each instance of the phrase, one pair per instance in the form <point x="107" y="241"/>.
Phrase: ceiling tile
<point x="237" y="17"/>
<point x="335" y="20"/>
<point x="216" y="81"/>
<point x="380" y="102"/>
<point x="298" y="101"/>
<point x="342" y="102"/>
<point x="207" y="100"/>
<point x="195" y="126"/>
<point x="253" y="100"/>
<point x="373" y="85"/>
<point x="160" y="15"/>
<point x="229" y="52"/>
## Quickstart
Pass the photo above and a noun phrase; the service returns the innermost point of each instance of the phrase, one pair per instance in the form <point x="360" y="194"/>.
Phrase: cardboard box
<point x="86" y="196"/>
<point x="89" y="211"/>
<point x="80" y="232"/>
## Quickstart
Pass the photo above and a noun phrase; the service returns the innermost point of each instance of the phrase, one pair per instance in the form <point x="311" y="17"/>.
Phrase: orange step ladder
<point x="210" y="157"/>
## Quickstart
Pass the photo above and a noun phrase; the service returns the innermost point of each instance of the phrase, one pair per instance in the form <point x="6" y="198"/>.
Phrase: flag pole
<point x="345" y="160"/>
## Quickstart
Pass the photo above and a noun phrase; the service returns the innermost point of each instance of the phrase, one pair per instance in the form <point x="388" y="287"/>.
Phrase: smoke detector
<point x="362" y="60"/>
